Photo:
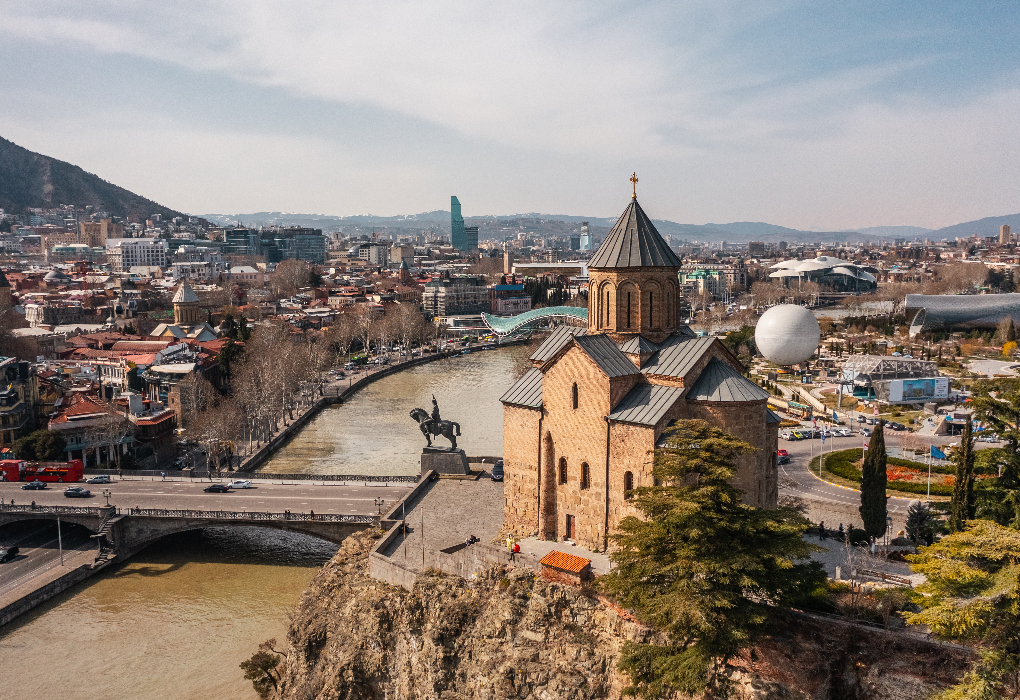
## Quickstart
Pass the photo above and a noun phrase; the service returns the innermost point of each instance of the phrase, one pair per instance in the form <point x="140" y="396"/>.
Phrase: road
<point x="39" y="549"/>
<point x="835" y="504"/>
<point x="299" y="497"/>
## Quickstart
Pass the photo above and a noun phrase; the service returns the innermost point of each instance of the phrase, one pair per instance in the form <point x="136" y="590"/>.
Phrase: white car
<point x="101" y="479"/>
<point x="239" y="484"/>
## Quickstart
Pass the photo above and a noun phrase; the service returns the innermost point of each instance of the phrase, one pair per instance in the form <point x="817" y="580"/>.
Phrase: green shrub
<point x="841" y="464"/>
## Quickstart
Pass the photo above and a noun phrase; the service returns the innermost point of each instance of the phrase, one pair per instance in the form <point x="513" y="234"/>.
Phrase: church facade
<point x="580" y="427"/>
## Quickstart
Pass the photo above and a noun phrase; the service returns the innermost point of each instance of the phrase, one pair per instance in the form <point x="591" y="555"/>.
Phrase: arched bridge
<point x="501" y="325"/>
<point x="125" y="531"/>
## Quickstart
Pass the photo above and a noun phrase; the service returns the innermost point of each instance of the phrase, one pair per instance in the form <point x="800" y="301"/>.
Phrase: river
<point x="174" y="622"/>
<point x="373" y="433"/>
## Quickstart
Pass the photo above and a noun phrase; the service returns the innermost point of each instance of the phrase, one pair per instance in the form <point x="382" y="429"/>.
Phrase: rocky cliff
<point x="508" y="634"/>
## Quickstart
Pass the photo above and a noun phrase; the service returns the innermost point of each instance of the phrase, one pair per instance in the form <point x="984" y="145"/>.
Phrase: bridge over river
<point x="138" y="513"/>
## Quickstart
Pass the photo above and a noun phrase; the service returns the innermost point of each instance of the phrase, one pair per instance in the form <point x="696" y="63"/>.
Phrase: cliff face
<point x="510" y="635"/>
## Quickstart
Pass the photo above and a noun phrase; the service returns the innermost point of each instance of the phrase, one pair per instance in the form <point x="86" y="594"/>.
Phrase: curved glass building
<point x="930" y="312"/>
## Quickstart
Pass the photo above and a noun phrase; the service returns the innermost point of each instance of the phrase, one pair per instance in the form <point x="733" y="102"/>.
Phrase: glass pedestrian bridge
<point x="505" y="325"/>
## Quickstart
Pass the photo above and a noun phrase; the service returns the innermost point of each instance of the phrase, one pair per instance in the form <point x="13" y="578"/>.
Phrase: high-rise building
<point x="470" y="238"/>
<point x="585" y="237"/>
<point x="1004" y="235"/>
<point x="459" y="234"/>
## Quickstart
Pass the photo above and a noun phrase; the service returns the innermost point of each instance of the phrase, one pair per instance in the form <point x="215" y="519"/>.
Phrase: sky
<point x="814" y="115"/>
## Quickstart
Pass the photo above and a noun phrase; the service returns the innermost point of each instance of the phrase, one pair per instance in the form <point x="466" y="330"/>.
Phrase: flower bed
<point x="903" y="474"/>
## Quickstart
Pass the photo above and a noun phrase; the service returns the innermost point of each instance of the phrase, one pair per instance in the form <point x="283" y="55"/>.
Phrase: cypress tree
<point x="873" y="483"/>
<point x="963" y="506"/>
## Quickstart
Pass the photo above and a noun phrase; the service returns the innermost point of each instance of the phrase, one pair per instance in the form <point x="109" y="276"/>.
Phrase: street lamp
<point x="379" y="503"/>
<point x="107" y="493"/>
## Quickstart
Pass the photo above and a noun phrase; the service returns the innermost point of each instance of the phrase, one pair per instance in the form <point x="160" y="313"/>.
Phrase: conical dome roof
<point x="634" y="242"/>
<point x="185" y="294"/>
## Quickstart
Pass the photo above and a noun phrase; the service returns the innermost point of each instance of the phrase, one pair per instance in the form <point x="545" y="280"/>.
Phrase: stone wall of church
<point x="631" y="450"/>
<point x="756" y="473"/>
<point x="520" y="468"/>
<point x="652" y="309"/>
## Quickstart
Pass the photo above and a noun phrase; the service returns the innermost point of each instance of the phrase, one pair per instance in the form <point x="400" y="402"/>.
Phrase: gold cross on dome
<point x="634" y="182"/>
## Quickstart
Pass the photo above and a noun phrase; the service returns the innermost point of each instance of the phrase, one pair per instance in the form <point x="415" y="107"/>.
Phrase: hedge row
<point x="841" y="464"/>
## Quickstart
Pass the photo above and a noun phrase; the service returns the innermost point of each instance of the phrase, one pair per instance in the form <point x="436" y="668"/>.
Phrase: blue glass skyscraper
<point x="458" y="238"/>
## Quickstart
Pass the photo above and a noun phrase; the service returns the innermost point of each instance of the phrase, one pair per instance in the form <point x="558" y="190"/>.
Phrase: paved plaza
<point x="449" y="513"/>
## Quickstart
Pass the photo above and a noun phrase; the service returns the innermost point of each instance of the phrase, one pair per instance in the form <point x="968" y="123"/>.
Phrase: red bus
<point x="20" y="470"/>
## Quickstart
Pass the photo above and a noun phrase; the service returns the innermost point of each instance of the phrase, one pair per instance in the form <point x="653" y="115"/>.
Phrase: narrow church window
<point x="628" y="309"/>
<point x="573" y="395"/>
<point x="651" y="316"/>
<point x="563" y="470"/>
<point x="585" y="475"/>
<point x="628" y="485"/>
<point x="607" y="310"/>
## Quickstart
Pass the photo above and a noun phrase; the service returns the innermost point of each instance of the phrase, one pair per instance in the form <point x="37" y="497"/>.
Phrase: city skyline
<point x="804" y="116"/>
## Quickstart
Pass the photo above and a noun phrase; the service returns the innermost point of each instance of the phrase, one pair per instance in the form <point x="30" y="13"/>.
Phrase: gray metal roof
<point x="526" y="391"/>
<point x="677" y="355"/>
<point x="634" y="242"/>
<point x="771" y="416"/>
<point x="963" y="311"/>
<point x="720" y="382"/>
<point x="646" y="404"/>
<point x="606" y="355"/>
<point x="185" y="294"/>
<point x="555" y="342"/>
<point x="638" y="345"/>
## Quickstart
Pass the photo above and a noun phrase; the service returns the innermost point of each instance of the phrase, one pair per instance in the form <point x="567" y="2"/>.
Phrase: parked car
<point x="783" y="453"/>
<point x="845" y="432"/>
<point x="872" y="421"/>
<point x="8" y="554"/>
<point x="33" y="486"/>
<point x="983" y="438"/>
<point x="897" y="426"/>
<point x="497" y="470"/>
<point x="862" y="419"/>
<point x="783" y="459"/>
<point x="100" y="479"/>
<point x="77" y="492"/>
<point x="217" y="488"/>
<point x="239" y="484"/>
<point x="866" y="432"/>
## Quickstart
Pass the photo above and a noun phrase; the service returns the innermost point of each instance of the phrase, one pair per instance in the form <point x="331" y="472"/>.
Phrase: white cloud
<point x="541" y="107"/>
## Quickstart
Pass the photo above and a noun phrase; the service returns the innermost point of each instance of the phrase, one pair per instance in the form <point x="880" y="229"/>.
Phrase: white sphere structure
<point x="787" y="334"/>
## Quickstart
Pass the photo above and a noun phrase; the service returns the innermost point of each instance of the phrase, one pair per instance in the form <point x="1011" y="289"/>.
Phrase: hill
<point x="30" y="179"/>
<point x="989" y="226"/>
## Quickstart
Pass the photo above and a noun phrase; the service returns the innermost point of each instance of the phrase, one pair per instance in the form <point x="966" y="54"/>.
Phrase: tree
<point x="972" y="594"/>
<point x="921" y="523"/>
<point x="261" y="670"/>
<point x="707" y="570"/>
<point x="999" y="499"/>
<point x="873" y="482"/>
<point x="42" y="445"/>
<point x="1006" y="331"/>
<point x="963" y="505"/>
<point x="289" y="276"/>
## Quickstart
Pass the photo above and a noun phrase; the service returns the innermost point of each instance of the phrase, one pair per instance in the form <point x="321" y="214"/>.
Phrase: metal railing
<point x="231" y="476"/>
<point x="251" y="515"/>
<point x="55" y="510"/>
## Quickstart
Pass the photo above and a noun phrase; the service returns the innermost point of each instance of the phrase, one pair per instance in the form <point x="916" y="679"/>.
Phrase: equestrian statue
<point x="434" y="425"/>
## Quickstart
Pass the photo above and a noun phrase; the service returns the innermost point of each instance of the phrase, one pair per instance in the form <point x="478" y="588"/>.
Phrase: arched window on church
<point x="629" y="324"/>
<point x="669" y="312"/>
<point x="628" y="485"/>
<point x="563" y="470"/>
<point x="607" y="310"/>
<point x="585" y="475"/>
<point x="573" y="395"/>
<point x="651" y="312"/>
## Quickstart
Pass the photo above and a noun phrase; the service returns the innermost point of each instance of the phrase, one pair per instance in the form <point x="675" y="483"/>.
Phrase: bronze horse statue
<point x="429" y="427"/>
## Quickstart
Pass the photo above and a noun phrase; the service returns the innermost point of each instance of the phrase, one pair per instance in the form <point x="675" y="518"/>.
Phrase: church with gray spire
<point x="580" y="427"/>
<point x="188" y="318"/>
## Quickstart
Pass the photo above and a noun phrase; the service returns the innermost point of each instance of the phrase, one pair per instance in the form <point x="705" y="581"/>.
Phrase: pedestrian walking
<point x="821" y="528"/>
<point x="514" y="552"/>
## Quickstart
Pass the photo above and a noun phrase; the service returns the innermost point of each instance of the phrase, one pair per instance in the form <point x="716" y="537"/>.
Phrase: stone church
<point x="580" y="427"/>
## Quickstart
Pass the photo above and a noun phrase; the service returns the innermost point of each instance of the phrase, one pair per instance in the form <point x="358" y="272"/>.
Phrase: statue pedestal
<point x="443" y="461"/>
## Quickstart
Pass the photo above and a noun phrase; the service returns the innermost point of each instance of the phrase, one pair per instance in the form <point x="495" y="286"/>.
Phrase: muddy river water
<point x="174" y="622"/>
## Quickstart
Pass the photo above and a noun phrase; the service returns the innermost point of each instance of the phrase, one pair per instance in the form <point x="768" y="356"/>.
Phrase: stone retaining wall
<point x="45" y="592"/>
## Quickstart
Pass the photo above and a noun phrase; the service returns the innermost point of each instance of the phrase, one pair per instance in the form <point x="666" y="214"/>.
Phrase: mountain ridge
<point x="32" y="180"/>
